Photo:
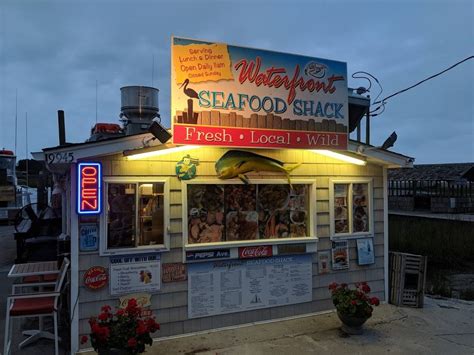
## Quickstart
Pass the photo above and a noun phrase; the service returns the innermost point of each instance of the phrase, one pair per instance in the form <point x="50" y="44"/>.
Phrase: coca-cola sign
<point x="260" y="251"/>
<point x="96" y="277"/>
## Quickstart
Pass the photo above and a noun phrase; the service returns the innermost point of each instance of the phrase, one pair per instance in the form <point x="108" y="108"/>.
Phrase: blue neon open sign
<point x="89" y="177"/>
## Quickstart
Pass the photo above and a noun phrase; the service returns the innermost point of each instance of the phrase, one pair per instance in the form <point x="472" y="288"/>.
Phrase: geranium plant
<point x="124" y="330"/>
<point x="353" y="302"/>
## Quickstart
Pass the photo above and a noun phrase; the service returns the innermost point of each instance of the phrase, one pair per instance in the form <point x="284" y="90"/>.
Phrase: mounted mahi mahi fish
<point x="236" y="163"/>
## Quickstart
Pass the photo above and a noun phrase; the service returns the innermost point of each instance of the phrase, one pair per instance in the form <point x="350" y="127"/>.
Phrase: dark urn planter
<point x="113" y="352"/>
<point x="351" y="324"/>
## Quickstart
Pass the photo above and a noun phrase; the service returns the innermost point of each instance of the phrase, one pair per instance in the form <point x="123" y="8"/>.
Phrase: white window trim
<point x="370" y="208"/>
<point x="166" y="217"/>
<point x="312" y="238"/>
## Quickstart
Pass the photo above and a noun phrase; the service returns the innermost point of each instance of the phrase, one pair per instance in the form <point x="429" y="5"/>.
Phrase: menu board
<point x="241" y="285"/>
<point x="229" y="96"/>
<point x="135" y="273"/>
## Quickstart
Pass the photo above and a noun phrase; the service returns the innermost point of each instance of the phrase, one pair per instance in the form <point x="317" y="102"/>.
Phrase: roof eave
<point x="381" y="156"/>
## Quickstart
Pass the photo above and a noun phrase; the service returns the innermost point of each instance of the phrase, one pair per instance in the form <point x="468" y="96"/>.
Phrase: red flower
<point x="120" y="312"/>
<point x="353" y="302"/>
<point x="132" y="342"/>
<point x="365" y="288"/>
<point x="142" y="328"/>
<point x="333" y="286"/>
<point x="106" y="309"/>
<point x="103" y="316"/>
<point x="95" y="328"/>
<point x="132" y="307"/>
<point x="84" y="339"/>
<point x="374" y="301"/>
<point x="152" y="325"/>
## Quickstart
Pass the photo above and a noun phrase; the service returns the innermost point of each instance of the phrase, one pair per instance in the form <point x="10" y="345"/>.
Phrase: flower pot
<point x="351" y="324"/>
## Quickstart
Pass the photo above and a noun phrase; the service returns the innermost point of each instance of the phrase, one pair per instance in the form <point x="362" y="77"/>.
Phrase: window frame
<point x="104" y="250"/>
<point x="350" y="182"/>
<point x="312" y="238"/>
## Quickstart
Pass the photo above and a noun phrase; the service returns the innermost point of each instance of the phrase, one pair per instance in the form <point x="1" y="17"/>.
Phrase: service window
<point x="237" y="213"/>
<point x="136" y="216"/>
<point x="351" y="207"/>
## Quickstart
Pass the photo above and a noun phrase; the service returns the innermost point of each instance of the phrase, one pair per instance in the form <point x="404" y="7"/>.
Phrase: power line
<point x="422" y="81"/>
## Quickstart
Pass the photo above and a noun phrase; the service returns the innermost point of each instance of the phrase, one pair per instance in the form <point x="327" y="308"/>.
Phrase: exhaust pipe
<point x="62" y="128"/>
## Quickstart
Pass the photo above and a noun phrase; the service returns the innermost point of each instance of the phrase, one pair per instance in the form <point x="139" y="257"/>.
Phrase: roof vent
<point x="139" y="107"/>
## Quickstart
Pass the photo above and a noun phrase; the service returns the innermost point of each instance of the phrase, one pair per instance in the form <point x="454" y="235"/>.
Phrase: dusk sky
<point x="53" y="52"/>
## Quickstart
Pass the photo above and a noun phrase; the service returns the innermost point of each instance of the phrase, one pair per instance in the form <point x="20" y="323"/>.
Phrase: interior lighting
<point x="156" y="153"/>
<point x="339" y="156"/>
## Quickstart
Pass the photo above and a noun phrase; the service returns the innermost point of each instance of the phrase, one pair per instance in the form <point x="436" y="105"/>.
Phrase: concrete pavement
<point x="441" y="327"/>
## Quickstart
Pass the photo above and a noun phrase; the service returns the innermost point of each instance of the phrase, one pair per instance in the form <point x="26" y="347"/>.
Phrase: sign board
<point x="95" y="277"/>
<point x="7" y="193"/>
<point x="202" y="255"/>
<point x="173" y="272"/>
<point x="288" y="249"/>
<point x="89" y="181"/>
<point x="143" y="300"/>
<point x="340" y="254"/>
<point x="258" y="251"/>
<point x="231" y="96"/>
<point x="324" y="260"/>
<point x="88" y="237"/>
<point x="229" y="286"/>
<point x="365" y="251"/>
<point x="135" y="273"/>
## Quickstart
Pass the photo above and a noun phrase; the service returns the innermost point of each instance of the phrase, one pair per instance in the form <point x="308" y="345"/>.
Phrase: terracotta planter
<point x="352" y="325"/>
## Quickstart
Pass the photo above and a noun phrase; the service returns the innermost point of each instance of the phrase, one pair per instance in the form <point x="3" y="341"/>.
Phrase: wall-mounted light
<point x="137" y="154"/>
<point x="339" y="156"/>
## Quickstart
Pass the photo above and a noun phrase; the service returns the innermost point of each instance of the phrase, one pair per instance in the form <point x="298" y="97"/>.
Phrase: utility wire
<point x="422" y="81"/>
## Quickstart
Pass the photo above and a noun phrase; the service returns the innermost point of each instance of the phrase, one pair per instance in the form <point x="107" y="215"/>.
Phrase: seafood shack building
<point x="214" y="235"/>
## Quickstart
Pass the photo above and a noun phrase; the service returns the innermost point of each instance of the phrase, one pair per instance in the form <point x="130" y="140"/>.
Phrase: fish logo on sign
<point x="315" y="69"/>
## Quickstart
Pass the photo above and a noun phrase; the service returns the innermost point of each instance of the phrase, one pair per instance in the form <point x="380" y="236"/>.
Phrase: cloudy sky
<point x="53" y="52"/>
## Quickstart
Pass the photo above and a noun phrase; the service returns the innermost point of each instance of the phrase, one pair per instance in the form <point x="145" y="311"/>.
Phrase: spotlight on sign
<point x="159" y="131"/>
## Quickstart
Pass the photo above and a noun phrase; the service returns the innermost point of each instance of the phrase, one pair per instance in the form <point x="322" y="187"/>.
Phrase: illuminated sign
<point x="230" y="96"/>
<point x="89" y="176"/>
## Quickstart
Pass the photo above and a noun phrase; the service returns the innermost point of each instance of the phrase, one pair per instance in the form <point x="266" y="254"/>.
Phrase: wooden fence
<point x="430" y="188"/>
<point x="268" y="121"/>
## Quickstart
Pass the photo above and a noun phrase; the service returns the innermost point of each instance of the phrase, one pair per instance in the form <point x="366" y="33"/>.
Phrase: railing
<point x="430" y="188"/>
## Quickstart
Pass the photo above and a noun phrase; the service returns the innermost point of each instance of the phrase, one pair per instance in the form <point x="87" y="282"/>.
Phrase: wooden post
<point x="254" y="120"/>
<point x="206" y="118"/>
<point x="190" y="111"/>
<point x="277" y="122"/>
<point x="215" y="118"/>
<point x="232" y="119"/>
<point x="262" y="122"/>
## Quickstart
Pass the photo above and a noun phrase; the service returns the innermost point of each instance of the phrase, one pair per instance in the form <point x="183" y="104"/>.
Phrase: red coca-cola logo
<point x="96" y="277"/>
<point x="260" y="251"/>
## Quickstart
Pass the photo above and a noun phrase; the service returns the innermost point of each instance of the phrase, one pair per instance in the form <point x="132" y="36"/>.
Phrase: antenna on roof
<point x="96" y="101"/>
<point x="16" y="116"/>
<point x="153" y="71"/>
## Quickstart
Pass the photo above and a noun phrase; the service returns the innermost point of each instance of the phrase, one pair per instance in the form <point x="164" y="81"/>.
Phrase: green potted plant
<point x="122" y="332"/>
<point x="354" y="306"/>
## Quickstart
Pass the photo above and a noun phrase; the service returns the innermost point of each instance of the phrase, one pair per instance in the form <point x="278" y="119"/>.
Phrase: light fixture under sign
<point x="339" y="156"/>
<point x="132" y="155"/>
